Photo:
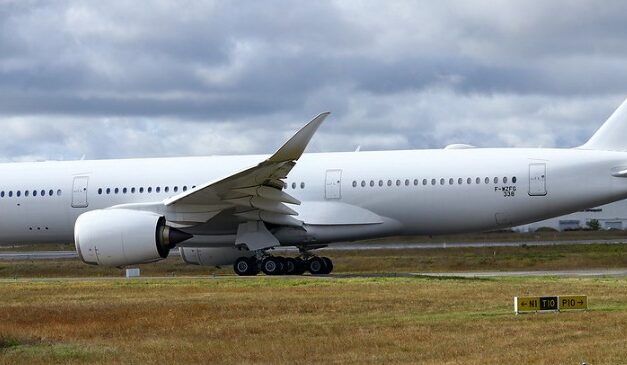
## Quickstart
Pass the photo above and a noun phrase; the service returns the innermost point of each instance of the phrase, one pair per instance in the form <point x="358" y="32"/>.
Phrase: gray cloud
<point x="126" y="79"/>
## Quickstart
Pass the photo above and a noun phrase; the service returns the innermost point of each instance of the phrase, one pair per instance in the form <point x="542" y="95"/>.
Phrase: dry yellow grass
<point x="270" y="320"/>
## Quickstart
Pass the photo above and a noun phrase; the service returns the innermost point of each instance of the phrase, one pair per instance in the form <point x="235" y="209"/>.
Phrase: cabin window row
<point x="442" y="181"/>
<point x="30" y="193"/>
<point x="142" y="190"/>
<point x="295" y="185"/>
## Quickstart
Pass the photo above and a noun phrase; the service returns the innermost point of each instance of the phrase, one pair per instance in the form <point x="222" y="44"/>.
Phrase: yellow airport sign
<point x="573" y="302"/>
<point x="550" y="303"/>
<point x="527" y="304"/>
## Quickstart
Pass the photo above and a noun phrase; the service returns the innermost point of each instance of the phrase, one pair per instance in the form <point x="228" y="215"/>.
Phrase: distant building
<point x="610" y="216"/>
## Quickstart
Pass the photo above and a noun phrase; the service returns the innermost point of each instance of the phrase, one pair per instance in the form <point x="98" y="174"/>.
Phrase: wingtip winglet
<point x="294" y="148"/>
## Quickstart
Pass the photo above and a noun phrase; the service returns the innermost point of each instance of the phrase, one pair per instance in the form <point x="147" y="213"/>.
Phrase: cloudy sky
<point x="109" y="79"/>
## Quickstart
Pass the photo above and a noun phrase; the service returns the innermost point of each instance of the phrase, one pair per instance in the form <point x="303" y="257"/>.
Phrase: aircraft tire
<point x="290" y="266"/>
<point x="272" y="266"/>
<point x="329" y="264"/>
<point x="244" y="266"/>
<point x="300" y="266"/>
<point x="254" y="266"/>
<point x="316" y="266"/>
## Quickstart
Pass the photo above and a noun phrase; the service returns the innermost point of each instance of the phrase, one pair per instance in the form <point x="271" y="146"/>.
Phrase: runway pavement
<point x="50" y="255"/>
<point x="614" y="273"/>
<point x="37" y="255"/>
<point x="564" y="273"/>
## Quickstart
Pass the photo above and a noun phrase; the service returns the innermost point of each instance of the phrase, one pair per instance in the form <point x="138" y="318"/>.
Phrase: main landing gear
<point x="277" y="265"/>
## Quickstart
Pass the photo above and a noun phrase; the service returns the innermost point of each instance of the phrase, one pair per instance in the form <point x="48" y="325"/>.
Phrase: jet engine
<point x="212" y="256"/>
<point x="118" y="237"/>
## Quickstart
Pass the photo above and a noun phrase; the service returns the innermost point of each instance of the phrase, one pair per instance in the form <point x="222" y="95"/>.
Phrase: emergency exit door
<point x="79" y="192"/>
<point x="537" y="179"/>
<point x="333" y="186"/>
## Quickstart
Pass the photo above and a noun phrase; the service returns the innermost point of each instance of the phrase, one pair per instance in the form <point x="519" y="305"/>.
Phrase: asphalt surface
<point x="565" y="273"/>
<point x="38" y="255"/>
<point x="53" y="255"/>
<point x="617" y="273"/>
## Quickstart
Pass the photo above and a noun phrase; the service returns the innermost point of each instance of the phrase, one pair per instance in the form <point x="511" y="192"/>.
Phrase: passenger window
<point x="59" y="192"/>
<point x="424" y="181"/>
<point x="176" y="189"/>
<point x="478" y="181"/>
<point x="293" y="185"/>
<point x="505" y="180"/>
<point x="406" y="182"/>
<point x="10" y="193"/>
<point x="34" y="192"/>
<point x="2" y="194"/>
<point x="166" y="189"/>
<point x="184" y="188"/>
<point x="514" y="179"/>
<point x="496" y="180"/>
<point x="442" y="181"/>
<point x="432" y="181"/>
<point x="487" y="180"/>
<point x="50" y="192"/>
<point x="415" y="182"/>
<point x="43" y="193"/>
<point x="158" y="189"/>
<point x="460" y="181"/>
<point x="133" y="190"/>
<point x="26" y="193"/>
<point x="371" y="183"/>
<point x="354" y="183"/>
<point x="18" y="193"/>
<point x="389" y="182"/>
<point x="469" y="181"/>
<point x="380" y="182"/>
<point x="363" y="183"/>
<point x="100" y="191"/>
<point x="398" y="183"/>
<point x="450" y="181"/>
<point x="125" y="190"/>
<point x="149" y="190"/>
<point x="117" y="190"/>
<point x="302" y="185"/>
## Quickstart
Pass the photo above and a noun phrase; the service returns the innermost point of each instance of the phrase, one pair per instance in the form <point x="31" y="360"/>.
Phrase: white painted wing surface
<point x="256" y="193"/>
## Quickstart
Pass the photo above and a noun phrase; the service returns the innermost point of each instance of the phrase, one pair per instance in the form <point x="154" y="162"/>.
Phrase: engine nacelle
<point x="212" y="256"/>
<point x="118" y="237"/>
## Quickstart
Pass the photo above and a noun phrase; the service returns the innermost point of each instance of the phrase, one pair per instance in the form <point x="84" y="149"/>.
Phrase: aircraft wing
<point x="254" y="194"/>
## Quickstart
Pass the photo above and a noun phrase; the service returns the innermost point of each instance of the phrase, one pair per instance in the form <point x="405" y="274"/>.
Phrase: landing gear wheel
<point x="272" y="266"/>
<point x="300" y="266"/>
<point x="290" y="266"/>
<point x="254" y="266"/>
<point x="329" y="264"/>
<point x="245" y="266"/>
<point x="282" y="265"/>
<point x="317" y="266"/>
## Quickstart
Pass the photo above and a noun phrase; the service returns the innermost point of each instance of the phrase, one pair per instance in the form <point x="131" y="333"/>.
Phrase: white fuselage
<point x="413" y="192"/>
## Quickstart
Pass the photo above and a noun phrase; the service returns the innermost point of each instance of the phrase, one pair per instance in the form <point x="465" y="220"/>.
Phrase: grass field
<point x="204" y="315"/>
<point x="308" y="320"/>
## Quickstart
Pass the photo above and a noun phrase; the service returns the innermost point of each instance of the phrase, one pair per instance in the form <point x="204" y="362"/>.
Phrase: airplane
<point x="234" y="210"/>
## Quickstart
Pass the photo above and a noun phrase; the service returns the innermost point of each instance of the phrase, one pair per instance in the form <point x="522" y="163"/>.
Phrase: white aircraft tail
<point x="612" y="136"/>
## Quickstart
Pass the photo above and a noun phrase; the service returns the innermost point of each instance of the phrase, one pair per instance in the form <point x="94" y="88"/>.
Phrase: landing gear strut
<point x="277" y="265"/>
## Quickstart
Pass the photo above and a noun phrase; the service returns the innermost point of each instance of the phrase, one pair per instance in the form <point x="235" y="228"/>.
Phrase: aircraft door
<point x="79" y="192"/>
<point x="537" y="179"/>
<point x="333" y="185"/>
